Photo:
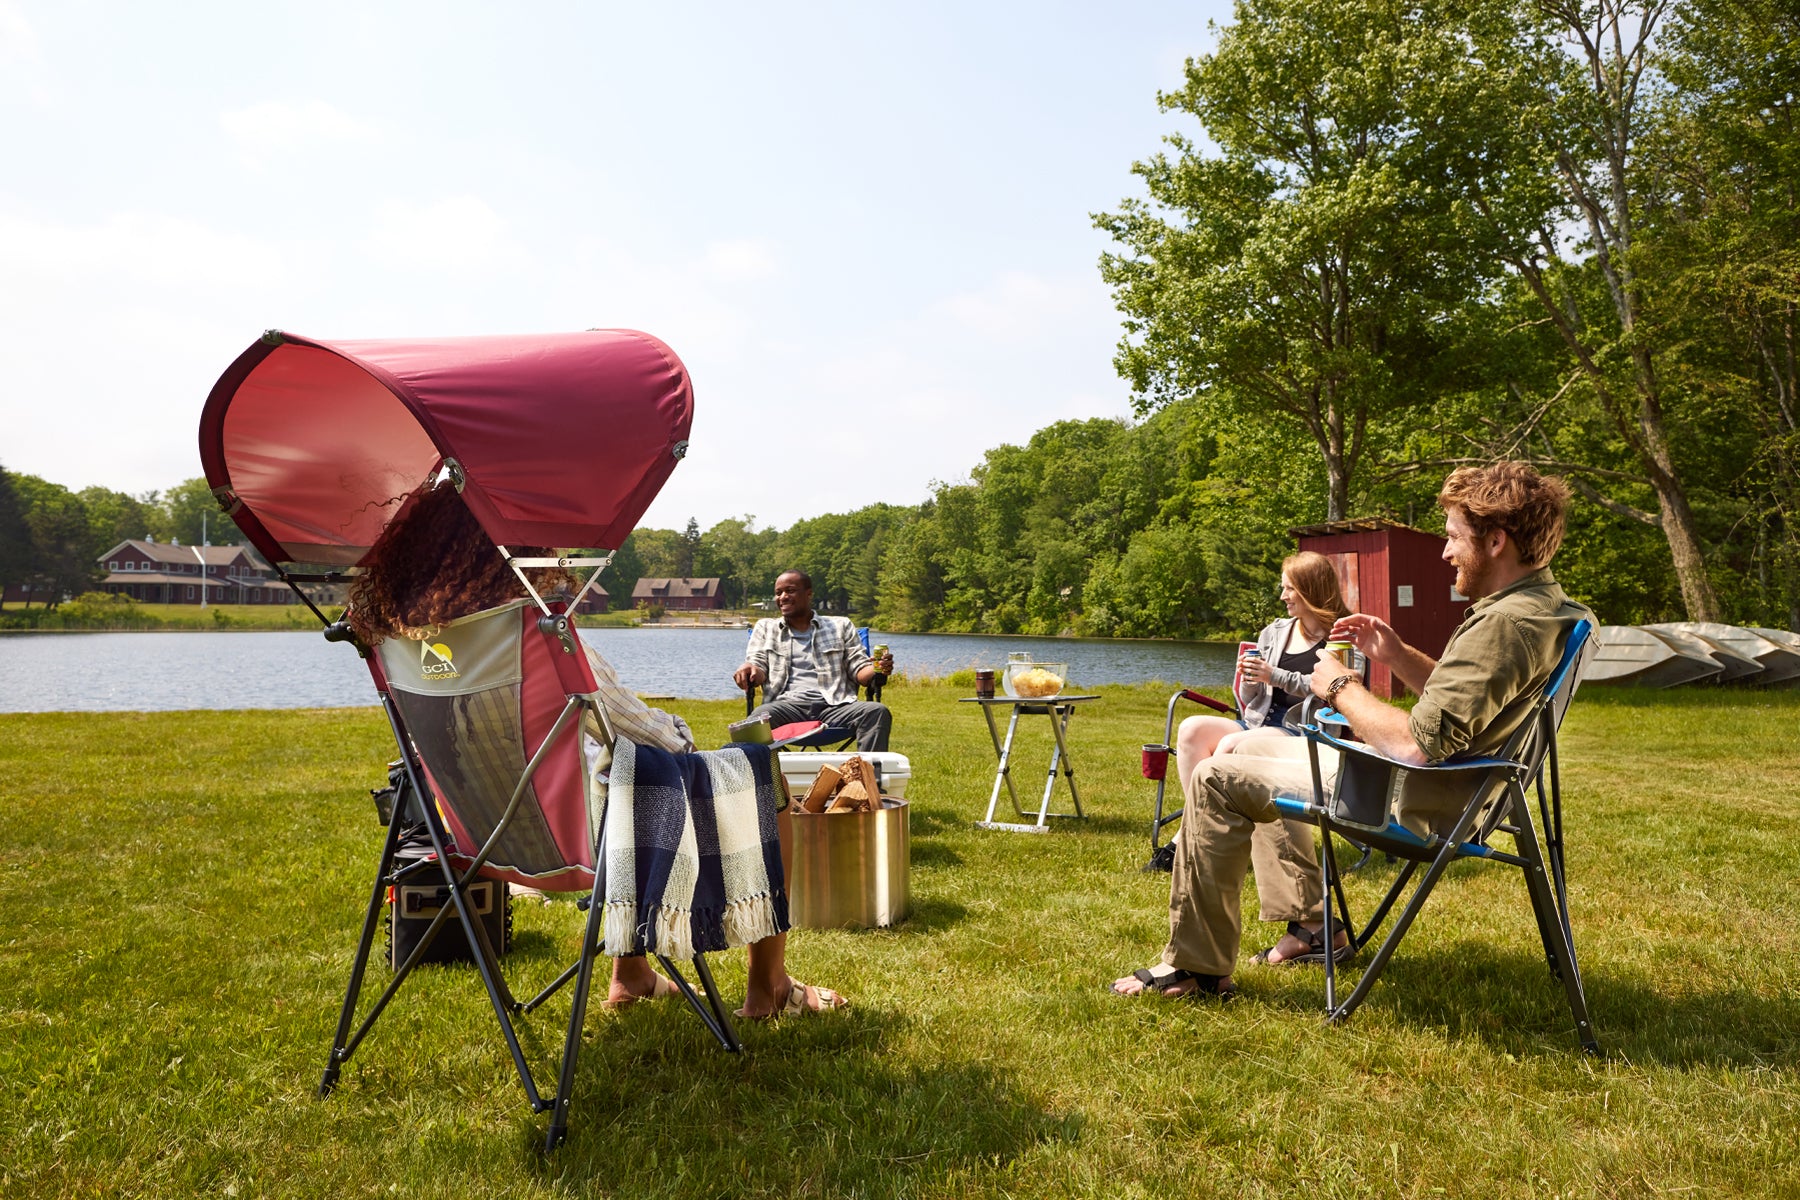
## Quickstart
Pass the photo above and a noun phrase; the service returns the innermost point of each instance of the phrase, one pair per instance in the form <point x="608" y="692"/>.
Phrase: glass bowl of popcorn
<point x="1035" y="680"/>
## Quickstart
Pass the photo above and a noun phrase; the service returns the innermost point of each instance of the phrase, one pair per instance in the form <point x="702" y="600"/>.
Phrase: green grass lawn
<point x="180" y="896"/>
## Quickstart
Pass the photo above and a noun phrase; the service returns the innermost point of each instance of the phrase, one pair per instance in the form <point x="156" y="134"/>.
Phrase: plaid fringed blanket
<point x="693" y="859"/>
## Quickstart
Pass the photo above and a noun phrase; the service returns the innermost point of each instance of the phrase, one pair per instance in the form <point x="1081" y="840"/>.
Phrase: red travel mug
<point x="1155" y="764"/>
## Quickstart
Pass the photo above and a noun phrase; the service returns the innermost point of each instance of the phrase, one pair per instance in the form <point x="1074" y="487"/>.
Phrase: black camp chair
<point x="816" y="735"/>
<point x="1498" y="803"/>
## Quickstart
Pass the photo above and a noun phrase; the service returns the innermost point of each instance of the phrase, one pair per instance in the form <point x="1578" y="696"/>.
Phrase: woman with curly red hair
<point x="435" y="564"/>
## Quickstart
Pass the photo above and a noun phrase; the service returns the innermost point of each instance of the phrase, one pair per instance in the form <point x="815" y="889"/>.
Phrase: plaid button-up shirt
<point x="836" y="648"/>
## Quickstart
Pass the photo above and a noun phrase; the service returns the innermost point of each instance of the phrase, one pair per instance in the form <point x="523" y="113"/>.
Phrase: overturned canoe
<point x="1784" y="666"/>
<point x="1628" y="654"/>
<point x="1725" y="643"/>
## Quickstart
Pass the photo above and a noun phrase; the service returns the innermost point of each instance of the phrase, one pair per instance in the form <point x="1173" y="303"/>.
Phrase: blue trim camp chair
<point x="816" y="735"/>
<point x="1359" y="810"/>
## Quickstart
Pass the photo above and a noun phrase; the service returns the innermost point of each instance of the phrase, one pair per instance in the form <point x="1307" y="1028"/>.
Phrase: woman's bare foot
<point x="634" y="979"/>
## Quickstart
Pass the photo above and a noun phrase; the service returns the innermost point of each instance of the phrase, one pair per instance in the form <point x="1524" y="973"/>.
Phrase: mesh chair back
<point x="479" y="698"/>
<point x="1535" y="736"/>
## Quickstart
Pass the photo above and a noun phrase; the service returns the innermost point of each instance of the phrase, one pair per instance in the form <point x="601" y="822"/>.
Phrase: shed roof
<point x="1356" y="525"/>
<point x="174" y="552"/>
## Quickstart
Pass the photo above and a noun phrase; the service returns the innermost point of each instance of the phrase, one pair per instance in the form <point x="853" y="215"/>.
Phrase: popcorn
<point x="1037" y="683"/>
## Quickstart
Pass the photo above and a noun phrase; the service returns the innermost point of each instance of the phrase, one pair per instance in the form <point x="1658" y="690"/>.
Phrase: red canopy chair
<point x="553" y="440"/>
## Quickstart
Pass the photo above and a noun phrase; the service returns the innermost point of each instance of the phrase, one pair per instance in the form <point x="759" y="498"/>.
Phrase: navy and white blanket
<point x="692" y="855"/>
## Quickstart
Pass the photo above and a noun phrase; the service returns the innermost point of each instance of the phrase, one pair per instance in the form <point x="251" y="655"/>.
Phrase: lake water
<point x="106" y="672"/>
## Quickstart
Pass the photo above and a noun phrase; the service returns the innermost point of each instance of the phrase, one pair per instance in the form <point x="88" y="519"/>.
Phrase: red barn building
<point x="1396" y="573"/>
<point x="678" y="594"/>
<point x="170" y="573"/>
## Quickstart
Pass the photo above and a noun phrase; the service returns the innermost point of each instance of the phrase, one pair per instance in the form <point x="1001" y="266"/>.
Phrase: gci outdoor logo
<point x="434" y="661"/>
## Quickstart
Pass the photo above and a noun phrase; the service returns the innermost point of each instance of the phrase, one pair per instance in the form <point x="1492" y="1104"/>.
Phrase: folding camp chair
<point x="1162" y="854"/>
<point x="552" y="440"/>
<point x="1359" y="805"/>
<point x="493" y="711"/>
<point x="817" y="735"/>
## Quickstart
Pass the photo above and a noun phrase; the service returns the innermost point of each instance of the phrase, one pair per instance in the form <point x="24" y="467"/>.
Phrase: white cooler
<point x="800" y="769"/>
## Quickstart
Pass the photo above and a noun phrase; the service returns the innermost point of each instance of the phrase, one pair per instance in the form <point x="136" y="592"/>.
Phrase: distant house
<point x="678" y="594"/>
<point x="170" y="573"/>
<point x="596" y="600"/>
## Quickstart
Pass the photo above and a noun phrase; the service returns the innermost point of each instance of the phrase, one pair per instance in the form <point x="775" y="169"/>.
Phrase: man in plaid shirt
<point x="811" y="665"/>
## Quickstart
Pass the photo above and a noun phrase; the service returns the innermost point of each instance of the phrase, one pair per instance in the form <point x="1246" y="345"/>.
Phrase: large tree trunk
<point x="1697" y="595"/>
<point x="1614" y="37"/>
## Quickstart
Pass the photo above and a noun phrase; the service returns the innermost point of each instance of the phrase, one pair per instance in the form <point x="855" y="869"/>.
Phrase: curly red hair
<point x="434" y="564"/>
<point x="1514" y="497"/>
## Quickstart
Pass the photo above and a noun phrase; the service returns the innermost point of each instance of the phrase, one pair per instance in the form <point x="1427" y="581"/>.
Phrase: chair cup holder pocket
<point x="1364" y="791"/>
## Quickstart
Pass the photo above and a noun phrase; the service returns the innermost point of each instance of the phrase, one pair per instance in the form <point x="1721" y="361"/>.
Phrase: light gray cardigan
<point x="1256" y="699"/>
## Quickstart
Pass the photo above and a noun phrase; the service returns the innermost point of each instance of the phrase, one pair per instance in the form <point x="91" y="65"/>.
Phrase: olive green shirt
<point x="1488" y="679"/>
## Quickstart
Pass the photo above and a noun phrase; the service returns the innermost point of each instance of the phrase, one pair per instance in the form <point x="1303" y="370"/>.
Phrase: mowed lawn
<point x="180" y="895"/>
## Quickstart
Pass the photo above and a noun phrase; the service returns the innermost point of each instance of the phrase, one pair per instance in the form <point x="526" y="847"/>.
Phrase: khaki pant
<point x="1229" y="823"/>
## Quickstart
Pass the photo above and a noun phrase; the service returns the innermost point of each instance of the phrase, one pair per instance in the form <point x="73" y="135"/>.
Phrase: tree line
<point x="1391" y="237"/>
<point x="51" y="538"/>
<point x="1395" y="237"/>
<point x="1438" y="231"/>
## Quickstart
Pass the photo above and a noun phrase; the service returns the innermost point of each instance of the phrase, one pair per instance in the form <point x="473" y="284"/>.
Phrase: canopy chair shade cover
<point x="563" y="439"/>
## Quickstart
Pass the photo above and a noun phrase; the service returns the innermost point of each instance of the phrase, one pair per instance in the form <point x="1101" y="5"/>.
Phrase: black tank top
<point x="1303" y="661"/>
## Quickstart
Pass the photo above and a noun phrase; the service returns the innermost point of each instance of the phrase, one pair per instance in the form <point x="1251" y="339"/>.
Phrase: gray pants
<point x="871" y="720"/>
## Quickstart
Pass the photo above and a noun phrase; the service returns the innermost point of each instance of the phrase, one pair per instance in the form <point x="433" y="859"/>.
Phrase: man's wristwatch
<point x="1337" y="685"/>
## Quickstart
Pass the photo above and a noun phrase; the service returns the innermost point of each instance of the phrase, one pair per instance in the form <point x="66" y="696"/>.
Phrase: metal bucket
<point x="848" y="869"/>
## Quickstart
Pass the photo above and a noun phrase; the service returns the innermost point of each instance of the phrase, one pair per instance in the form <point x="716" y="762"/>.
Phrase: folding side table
<point x="1059" y="709"/>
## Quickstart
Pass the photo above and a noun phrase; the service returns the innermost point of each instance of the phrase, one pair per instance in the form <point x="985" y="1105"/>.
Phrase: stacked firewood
<point x="849" y="787"/>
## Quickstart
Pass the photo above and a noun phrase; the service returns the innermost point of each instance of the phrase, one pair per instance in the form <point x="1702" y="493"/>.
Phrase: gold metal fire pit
<point x="848" y="870"/>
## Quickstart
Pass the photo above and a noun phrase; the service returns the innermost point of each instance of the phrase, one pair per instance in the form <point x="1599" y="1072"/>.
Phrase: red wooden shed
<point x="1394" y="572"/>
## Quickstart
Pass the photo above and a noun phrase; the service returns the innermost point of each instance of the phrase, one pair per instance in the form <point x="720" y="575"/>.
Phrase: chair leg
<point x="1553" y="924"/>
<point x="584" y="975"/>
<point x="730" y="1039"/>
<point x="1421" y="893"/>
<point x="1331" y="891"/>
<point x="1394" y="892"/>
<point x="715" y="1020"/>
<point x="1414" y="903"/>
<point x="340" y="1049"/>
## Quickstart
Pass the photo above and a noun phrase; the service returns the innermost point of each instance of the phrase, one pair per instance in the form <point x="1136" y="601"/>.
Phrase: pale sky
<point x="864" y="228"/>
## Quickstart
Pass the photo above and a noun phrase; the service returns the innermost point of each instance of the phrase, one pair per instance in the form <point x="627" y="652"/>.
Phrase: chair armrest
<point x="1204" y="701"/>
<point x="1359" y="750"/>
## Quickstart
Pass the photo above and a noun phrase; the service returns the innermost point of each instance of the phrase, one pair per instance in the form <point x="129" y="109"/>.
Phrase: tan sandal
<point x="663" y="989"/>
<point x="797" y="1006"/>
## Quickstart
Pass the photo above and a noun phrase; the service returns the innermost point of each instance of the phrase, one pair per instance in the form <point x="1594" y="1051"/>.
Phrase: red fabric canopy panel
<point x="563" y="439"/>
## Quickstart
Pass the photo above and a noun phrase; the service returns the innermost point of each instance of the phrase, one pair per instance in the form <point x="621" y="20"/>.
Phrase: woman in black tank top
<point x="1314" y="600"/>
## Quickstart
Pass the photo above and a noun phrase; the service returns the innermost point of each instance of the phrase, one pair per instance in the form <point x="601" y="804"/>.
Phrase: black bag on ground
<point x="417" y="891"/>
